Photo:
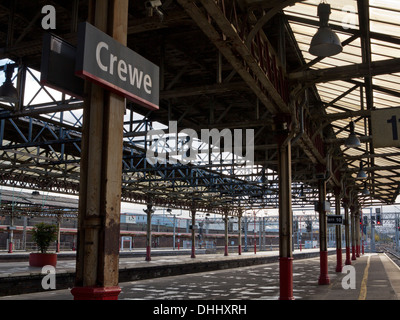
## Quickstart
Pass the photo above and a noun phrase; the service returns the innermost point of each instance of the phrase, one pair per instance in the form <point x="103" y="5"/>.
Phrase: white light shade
<point x="325" y="43"/>
<point x="365" y="191"/>
<point x="361" y="174"/>
<point x="352" y="141"/>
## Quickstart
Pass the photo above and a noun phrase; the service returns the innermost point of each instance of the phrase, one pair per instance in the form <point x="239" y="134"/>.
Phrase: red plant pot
<point x="42" y="259"/>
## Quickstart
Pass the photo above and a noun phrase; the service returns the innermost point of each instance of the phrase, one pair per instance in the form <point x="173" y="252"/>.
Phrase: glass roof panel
<point x="386" y="4"/>
<point x="387" y="16"/>
<point x="385" y="21"/>
<point x="384" y="28"/>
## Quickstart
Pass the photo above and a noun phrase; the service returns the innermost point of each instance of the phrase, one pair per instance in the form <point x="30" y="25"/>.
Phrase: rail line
<point x="395" y="256"/>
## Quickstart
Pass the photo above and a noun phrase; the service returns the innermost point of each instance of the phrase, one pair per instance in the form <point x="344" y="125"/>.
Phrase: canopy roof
<point x="224" y="65"/>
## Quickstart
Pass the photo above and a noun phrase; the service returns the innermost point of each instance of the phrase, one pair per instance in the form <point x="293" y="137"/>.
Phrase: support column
<point x="11" y="234"/>
<point x="193" y="211"/>
<point x="263" y="234"/>
<point x="255" y="232"/>
<point x="246" y="249"/>
<point x="24" y="233"/>
<point x="357" y="232"/>
<point x="362" y="232"/>
<point x="226" y="220"/>
<point x="285" y="209"/>
<point x="240" y="233"/>
<point x="58" y="234"/>
<point x="323" y="247"/>
<point x="97" y="259"/>
<point x="347" y="231"/>
<point x="149" y="211"/>
<point x="353" y="235"/>
<point x="339" y="263"/>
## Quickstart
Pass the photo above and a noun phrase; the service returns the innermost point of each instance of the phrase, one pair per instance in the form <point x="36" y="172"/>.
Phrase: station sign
<point x="334" y="219"/>
<point x="106" y="62"/>
<point x="127" y="218"/>
<point x="385" y="125"/>
<point x="326" y="206"/>
<point x="58" y="58"/>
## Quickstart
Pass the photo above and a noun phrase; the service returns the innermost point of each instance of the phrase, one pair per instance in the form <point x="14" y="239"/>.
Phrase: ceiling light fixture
<point x="154" y="6"/>
<point x="325" y="42"/>
<point x="361" y="174"/>
<point x="365" y="191"/>
<point x="352" y="141"/>
<point x="8" y="93"/>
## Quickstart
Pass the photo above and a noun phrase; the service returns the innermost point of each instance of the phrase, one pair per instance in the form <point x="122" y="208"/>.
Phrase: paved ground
<point x="23" y="268"/>
<point x="376" y="277"/>
<point x="262" y="282"/>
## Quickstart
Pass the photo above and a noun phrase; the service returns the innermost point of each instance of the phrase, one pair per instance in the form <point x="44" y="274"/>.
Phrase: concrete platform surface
<point x="376" y="277"/>
<point x="66" y="261"/>
<point x="18" y="277"/>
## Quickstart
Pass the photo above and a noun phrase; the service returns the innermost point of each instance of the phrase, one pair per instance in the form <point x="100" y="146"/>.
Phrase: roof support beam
<point x="363" y="16"/>
<point x="348" y="114"/>
<point x="206" y="89"/>
<point x="347" y="72"/>
<point x="231" y="45"/>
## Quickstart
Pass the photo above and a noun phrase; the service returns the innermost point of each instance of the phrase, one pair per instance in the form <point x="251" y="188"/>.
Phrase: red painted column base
<point x="96" y="293"/>
<point x="323" y="277"/>
<point x="226" y="250"/>
<point x="10" y="247"/>
<point x="339" y="264"/>
<point x="286" y="278"/>
<point x="193" y="252"/>
<point x="240" y="249"/>
<point x="348" y="261"/>
<point x="353" y="253"/>
<point x="148" y="253"/>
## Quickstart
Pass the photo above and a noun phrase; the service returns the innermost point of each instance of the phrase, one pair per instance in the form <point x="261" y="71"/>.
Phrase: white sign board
<point x="385" y="127"/>
<point x="108" y="63"/>
<point x="127" y="218"/>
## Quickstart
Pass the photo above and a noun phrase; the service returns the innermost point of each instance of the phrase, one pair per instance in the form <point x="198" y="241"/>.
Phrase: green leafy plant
<point x="44" y="234"/>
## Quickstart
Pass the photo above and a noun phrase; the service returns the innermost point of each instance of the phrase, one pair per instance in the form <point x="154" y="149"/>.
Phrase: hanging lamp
<point x="361" y="174"/>
<point x="352" y="141"/>
<point x="8" y="93"/>
<point x="365" y="191"/>
<point x="325" y="42"/>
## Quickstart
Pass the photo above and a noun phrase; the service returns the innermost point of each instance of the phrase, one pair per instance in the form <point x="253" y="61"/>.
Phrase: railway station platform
<point x="373" y="276"/>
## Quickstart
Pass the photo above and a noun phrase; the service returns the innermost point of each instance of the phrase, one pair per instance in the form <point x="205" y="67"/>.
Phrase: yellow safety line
<point x="363" y="290"/>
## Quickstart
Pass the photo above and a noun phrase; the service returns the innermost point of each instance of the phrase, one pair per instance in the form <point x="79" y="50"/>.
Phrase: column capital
<point x="282" y="127"/>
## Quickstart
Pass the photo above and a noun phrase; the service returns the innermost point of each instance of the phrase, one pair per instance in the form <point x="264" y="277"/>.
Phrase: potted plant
<point x="43" y="234"/>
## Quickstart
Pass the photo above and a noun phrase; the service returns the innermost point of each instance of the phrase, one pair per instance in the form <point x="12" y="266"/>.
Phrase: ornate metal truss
<point x="224" y="65"/>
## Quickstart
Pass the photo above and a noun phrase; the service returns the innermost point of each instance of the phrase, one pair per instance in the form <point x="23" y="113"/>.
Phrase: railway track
<point x="395" y="256"/>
